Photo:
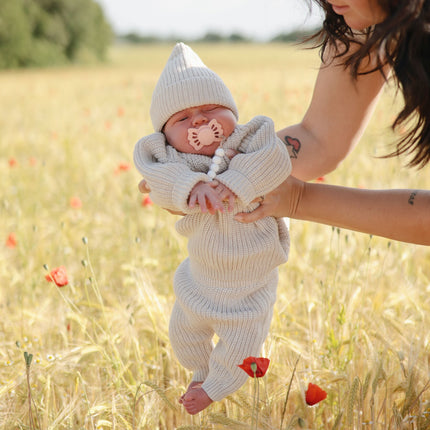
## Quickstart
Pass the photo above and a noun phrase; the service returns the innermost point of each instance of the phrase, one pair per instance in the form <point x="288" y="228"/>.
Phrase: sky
<point x="259" y="19"/>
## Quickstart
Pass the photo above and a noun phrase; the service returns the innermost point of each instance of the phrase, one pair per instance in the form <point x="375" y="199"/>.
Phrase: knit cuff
<point x="237" y="182"/>
<point x="217" y="391"/>
<point x="182" y="189"/>
<point x="200" y="375"/>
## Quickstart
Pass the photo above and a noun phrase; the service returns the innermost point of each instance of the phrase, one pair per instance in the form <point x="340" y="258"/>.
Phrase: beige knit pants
<point x="240" y="320"/>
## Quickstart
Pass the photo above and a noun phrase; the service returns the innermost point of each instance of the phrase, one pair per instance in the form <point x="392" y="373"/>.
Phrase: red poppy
<point x="255" y="366"/>
<point x="314" y="394"/>
<point x="122" y="167"/>
<point x="11" y="241"/>
<point x="75" y="202"/>
<point x="320" y="179"/>
<point x="12" y="162"/>
<point x="59" y="276"/>
<point x="147" y="201"/>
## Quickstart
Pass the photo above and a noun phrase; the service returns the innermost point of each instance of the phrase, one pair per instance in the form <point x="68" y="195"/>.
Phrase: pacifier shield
<point x="205" y="135"/>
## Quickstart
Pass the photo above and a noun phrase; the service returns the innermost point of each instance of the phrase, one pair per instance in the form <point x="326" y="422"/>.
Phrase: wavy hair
<point x="402" y="41"/>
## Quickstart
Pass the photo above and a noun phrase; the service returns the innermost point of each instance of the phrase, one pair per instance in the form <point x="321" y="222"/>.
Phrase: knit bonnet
<point x="186" y="82"/>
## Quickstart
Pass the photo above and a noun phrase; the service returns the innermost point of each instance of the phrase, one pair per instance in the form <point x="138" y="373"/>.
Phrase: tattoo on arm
<point x="293" y="146"/>
<point x="412" y="197"/>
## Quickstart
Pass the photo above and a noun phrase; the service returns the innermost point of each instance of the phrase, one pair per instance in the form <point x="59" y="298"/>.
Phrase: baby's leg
<point x="192" y="343"/>
<point x="237" y="341"/>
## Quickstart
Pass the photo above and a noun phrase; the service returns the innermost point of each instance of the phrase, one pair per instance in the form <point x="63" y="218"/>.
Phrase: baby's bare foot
<point x="194" y="384"/>
<point x="195" y="400"/>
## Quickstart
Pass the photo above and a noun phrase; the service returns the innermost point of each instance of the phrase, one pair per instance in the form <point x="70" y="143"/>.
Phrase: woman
<point x="362" y="42"/>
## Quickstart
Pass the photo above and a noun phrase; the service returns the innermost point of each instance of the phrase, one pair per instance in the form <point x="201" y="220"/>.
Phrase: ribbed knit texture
<point x="227" y="285"/>
<point x="186" y="82"/>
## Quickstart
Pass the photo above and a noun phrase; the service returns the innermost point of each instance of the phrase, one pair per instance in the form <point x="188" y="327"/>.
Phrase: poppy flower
<point x="12" y="162"/>
<point x="122" y="167"/>
<point x="320" y="179"/>
<point x="75" y="203"/>
<point x="59" y="276"/>
<point x="11" y="241"/>
<point x="314" y="394"/>
<point x="147" y="201"/>
<point x="255" y="366"/>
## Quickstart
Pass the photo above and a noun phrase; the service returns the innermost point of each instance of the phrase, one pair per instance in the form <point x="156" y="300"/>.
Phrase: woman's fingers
<point x="283" y="201"/>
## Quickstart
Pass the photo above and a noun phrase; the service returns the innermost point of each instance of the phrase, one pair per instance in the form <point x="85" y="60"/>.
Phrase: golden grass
<point x="355" y="309"/>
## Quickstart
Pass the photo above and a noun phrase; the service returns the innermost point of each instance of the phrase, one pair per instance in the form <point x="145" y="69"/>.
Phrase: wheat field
<point x="352" y="314"/>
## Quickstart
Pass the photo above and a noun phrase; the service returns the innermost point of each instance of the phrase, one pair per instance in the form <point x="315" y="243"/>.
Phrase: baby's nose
<point x="199" y="118"/>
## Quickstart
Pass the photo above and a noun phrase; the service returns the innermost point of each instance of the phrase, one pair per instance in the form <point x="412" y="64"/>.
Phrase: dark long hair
<point x="403" y="42"/>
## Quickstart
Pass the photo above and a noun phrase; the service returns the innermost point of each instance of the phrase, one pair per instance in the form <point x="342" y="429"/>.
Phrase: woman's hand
<point x="283" y="201"/>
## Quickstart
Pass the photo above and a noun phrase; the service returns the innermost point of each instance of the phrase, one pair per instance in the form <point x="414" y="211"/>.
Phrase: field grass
<point x="353" y="311"/>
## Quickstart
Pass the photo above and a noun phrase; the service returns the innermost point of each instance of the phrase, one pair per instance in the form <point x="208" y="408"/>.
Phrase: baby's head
<point x="191" y="104"/>
<point x="199" y="129"/>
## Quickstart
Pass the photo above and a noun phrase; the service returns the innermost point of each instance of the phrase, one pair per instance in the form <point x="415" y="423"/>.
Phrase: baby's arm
<point x="210" y="196"/>
<point x="262" y="164"/>
<point x="167" y="176"/>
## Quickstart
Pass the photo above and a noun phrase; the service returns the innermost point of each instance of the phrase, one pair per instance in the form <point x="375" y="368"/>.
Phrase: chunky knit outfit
<point x="227" y="285"/>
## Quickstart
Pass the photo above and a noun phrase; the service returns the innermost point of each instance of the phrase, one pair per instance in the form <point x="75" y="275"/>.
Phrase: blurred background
<point x="76" y="83"/>
<point x="51" y="32"/>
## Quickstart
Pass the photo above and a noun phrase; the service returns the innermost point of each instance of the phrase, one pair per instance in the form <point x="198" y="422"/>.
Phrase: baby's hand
<point x="225" y="194"/>
<point x="206" y="196"/>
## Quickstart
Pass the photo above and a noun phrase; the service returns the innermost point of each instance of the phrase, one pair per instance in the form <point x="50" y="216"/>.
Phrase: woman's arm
<point x="402" y="215"/>
<point x="339" y="111"/>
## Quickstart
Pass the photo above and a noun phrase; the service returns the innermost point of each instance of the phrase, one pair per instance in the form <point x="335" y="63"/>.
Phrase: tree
<point x="46" y="32"/>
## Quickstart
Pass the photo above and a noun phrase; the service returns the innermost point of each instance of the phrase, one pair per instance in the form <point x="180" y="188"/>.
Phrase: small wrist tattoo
<point x="293" y="146"/>
<point x="412" y="197"/>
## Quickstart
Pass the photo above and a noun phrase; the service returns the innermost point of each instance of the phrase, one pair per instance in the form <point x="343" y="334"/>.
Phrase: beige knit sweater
<point x="220" y="248"/>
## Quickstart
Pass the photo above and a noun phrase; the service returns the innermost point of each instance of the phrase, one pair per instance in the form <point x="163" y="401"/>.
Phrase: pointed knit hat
<point x="186" y="82"/>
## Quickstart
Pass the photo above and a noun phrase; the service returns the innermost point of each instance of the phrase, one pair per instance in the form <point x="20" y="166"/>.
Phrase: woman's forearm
<point x="402" y="215"/>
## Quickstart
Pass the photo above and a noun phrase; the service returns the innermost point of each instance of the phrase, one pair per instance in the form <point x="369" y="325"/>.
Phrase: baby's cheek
<point x="229" y="128"/>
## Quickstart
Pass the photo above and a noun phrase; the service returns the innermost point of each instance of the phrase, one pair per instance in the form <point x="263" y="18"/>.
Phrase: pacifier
<point x="205" y="135"/>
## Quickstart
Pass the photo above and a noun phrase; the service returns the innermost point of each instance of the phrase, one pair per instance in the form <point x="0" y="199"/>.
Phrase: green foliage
<point x="48" y="32"/>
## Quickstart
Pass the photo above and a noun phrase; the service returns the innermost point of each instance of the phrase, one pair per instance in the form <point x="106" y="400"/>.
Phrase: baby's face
<point x="176" y="128"/>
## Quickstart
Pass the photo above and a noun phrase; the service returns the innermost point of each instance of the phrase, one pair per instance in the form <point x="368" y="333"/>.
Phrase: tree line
<point x="213" y="37"/>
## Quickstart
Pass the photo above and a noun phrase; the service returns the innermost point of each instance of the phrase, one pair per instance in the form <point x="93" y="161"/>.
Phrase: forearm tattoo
<point x="293" y="146"/>
<point x="411" y="200"/>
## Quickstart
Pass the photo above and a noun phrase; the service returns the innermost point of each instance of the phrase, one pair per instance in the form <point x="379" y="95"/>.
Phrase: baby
<point x="202" y="163"/>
